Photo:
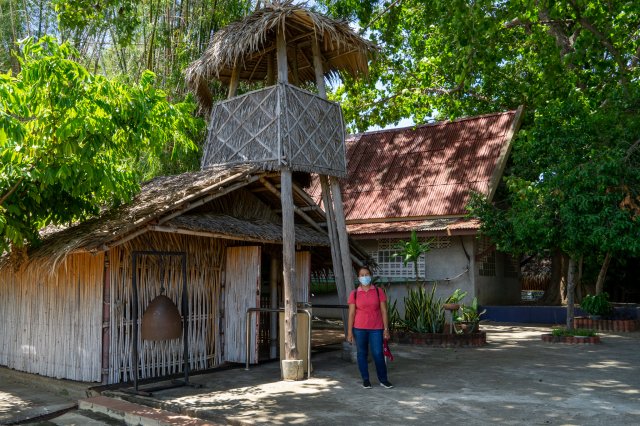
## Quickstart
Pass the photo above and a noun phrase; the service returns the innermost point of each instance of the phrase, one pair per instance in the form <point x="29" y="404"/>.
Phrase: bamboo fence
<point x="162" y="358"/>
<point x="52" y="322"/>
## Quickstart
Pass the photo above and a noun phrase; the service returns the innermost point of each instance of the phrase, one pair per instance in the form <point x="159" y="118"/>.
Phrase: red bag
<point x="386" y="351"/>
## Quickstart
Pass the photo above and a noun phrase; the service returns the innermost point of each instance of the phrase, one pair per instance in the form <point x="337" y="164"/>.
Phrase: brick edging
<point x="573" y="340"/>
<point x="607" y="325"/>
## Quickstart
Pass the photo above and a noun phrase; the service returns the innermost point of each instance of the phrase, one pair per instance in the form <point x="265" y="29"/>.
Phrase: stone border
<point x="572" y="340"/>
<point x="440" y="339"/>
<point x="607" y="325"/>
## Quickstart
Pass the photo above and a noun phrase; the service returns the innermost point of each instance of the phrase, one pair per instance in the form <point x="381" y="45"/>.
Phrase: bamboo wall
<point x="156" y="359"/>
<point x="52" y="323"/>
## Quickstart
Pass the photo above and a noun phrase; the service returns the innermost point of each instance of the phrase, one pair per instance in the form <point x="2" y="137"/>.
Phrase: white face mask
<point x="365" y="280"/>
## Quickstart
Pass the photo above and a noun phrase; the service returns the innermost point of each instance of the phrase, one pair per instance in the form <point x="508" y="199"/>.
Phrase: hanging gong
<point x="161" y="320"/>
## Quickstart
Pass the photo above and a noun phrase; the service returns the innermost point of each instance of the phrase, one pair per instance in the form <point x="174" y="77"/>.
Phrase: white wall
<point x="449" y="267"/>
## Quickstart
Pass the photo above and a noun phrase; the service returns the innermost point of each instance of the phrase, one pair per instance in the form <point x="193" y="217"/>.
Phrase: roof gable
<point x="426" y="171"/>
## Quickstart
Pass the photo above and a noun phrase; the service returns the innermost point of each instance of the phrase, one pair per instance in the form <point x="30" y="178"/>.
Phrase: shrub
<point x="597" y="305"/>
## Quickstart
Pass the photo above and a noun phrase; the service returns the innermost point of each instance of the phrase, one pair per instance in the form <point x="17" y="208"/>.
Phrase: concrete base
<point x="292" y="369"/>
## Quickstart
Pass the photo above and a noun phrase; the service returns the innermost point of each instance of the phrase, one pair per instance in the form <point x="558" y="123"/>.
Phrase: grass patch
<point x="582" y="332"/>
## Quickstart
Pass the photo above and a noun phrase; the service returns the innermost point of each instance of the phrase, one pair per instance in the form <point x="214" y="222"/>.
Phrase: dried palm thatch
<point x="249" y="44"/>
<point x="158" y="200"/>
<point x="258" y="230"/>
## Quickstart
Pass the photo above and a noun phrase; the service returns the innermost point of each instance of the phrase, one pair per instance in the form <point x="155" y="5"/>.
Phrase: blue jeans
<point x="364" y="338"/>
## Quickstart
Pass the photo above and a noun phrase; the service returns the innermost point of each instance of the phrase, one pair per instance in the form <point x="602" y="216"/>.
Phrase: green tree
<point x="72" y="142"/>
<point x="572" y="183"/>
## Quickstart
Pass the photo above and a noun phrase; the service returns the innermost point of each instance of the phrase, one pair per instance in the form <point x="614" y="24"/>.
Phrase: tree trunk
<point x="603" y="273"/>
<point x="552" y="294"/>
<point x="571" y="286"/>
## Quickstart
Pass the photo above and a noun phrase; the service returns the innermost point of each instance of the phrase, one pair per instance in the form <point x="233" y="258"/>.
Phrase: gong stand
<point x="185" y="325"/>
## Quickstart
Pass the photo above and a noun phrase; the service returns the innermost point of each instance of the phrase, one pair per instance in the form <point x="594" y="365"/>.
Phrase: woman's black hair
<point x="365" y="267"/>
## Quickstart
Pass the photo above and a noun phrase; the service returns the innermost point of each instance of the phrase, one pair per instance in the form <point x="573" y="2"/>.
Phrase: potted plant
<point x="469" y="317"/>
<point x="452" y="303"/>
<point x="597" y="306"/>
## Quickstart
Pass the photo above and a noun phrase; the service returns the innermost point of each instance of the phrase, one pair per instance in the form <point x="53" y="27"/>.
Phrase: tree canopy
<point x="72" y="142"/>
<point x="573" y="182"/>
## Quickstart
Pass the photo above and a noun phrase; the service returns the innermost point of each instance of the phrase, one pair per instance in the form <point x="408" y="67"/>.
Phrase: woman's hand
<point x="386" y="334"/>
<point x="350" y="337"/>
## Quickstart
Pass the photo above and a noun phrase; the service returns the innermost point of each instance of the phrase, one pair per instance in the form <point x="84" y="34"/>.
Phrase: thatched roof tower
<point x="282" y="127"/>
<point x="250" y="45"/>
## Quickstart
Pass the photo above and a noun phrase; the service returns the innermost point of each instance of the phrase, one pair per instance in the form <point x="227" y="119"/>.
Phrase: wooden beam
<point x="296" y="209"/>
<point x="338" y="273"/>
<point x="233" y="83"/>
<point x="342" y="233"/>
<point x="317" y="66"/>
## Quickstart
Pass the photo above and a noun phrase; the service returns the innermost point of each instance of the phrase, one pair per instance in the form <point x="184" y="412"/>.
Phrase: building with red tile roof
<point x="420" y="178"/>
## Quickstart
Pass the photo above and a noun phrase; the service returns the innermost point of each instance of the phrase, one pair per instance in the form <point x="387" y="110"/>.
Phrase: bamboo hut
<point x="281" y="127"/>
<point x="70" y="310"/>
<point x="240" y="234"/>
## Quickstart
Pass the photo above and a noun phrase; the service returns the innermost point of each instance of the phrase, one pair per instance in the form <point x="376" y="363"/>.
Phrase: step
<point x="86" y="418"/>
<point x="136" y="414"/>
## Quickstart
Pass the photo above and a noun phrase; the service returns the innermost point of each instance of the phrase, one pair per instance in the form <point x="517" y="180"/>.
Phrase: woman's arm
<point x="385" y="319"/>
<point x="352" y="317"/>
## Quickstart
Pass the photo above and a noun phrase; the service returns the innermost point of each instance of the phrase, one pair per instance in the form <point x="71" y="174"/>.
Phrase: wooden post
<point x="273" y="291"/>
<point x="288" y="231"/>
<point x="336" y="256"/>
<point x="106" y="318"/>
<point x="317" y="65"/>
<point x="271" y="75"/>
<point x="338" y="273"/>
<point x="233" y="83"/>
<point x="343" y="238"/>
<point x="288" y="266"/>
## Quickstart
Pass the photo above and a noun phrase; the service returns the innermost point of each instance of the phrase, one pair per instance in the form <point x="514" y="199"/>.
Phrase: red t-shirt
<point x="368" y="313"/>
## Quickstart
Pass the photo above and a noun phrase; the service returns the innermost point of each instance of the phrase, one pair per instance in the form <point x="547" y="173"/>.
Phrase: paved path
<point x="515" y="379"/>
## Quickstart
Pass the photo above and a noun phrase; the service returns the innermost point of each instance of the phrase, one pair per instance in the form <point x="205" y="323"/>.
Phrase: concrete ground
<point x="514" y="379"/>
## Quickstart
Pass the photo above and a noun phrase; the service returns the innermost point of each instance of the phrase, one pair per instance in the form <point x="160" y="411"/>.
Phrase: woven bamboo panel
<point x="242" y="291"/>
<point x="161" y="358"/>
<point x="277" y="126"/>
<point x="52" y="323"/>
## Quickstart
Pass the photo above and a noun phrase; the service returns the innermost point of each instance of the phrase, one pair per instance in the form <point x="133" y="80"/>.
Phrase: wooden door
<point x="242" y="291"/>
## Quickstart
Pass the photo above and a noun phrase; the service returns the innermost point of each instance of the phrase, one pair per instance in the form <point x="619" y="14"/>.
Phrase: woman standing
<point x="369" y="324"/>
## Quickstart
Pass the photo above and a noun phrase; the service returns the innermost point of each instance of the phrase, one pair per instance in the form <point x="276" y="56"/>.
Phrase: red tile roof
<point x="423" y="172"/>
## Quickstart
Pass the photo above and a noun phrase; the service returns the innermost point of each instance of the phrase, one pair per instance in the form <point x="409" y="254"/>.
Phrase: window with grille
<point x="390" y="266"/>
<point x="487" y="258"/>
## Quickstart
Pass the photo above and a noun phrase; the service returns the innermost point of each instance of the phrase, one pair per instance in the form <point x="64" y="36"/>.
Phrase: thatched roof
<point x="158" y="198"/>
<point x="248" y="229"/>
<point x="170" y="204"/>
<point x="250" y="44"/>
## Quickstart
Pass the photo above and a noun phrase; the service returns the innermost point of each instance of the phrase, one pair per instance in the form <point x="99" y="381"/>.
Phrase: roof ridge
<point x="423" y="125"/>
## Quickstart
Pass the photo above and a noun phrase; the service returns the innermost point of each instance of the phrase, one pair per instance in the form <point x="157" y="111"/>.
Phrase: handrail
<point x="248" y="334"/>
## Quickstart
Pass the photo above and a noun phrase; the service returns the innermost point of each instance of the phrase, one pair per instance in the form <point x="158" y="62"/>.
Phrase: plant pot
<point x="451" y="306"/>
<point x="465" y="327"/>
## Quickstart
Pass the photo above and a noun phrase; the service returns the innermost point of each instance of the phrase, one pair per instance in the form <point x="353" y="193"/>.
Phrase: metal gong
<point x="161" y="320"/>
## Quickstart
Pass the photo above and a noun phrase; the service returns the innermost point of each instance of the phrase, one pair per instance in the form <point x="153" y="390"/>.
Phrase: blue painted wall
<point x="544" y="314"/>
